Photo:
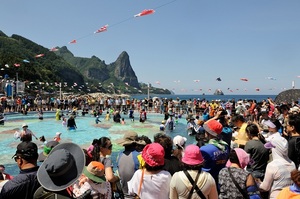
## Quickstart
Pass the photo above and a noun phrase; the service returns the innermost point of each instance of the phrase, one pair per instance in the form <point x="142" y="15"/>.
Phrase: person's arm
<point x="268" y="180"/>
<point x="217" y="115"/>
<point x="109" y="175"/>
<point x="173" y="191"/>
<point x="252" y="188"/>
<point x="33" y="135"/>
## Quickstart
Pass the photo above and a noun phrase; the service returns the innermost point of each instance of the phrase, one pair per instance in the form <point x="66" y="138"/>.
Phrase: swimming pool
<point x="87" y="131"/>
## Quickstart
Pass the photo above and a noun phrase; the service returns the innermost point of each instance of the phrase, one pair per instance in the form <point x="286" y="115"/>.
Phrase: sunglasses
<point x="16" y="158"/>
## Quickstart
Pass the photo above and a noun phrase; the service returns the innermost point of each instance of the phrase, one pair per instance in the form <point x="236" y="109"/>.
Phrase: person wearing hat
<point x="57" y="137"/>
<point x="162" y="125"/>
<point x="46" y="150"/>
<point x="25" y="183"/>
<point x="216" y="151"/>
<point x="277" y="175"/>
<point x="93" y="179"/>
<point x="191" y="126"/>
<point x="181" y="186"/>
<point x="26" y="134"/>
<point x="274" y="126"/>
<point x="60" y="170"/>
<point x="179" y="144"/>
<point x="234" y="175"/>
<point x="172" y="163"/>
<point x="127" y="160"/>
<point x="152" y="182"/>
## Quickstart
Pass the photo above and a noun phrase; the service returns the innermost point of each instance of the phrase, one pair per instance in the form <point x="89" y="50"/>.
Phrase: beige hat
<point x="129" y="138"/>
<point x="294" y="109"/>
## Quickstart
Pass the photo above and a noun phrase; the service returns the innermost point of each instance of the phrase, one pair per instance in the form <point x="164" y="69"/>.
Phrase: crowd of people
<point x="243" y="149"/>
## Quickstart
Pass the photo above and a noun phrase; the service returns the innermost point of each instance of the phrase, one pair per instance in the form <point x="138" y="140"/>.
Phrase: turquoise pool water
<point x="87" y="131"/>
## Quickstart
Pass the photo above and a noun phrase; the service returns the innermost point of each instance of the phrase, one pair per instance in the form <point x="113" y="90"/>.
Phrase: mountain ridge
<point x="79" y="74"/>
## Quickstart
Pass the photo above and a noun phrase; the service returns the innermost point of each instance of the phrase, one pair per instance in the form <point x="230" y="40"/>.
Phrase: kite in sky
<point x="102" y="29"/>
<point x="244" y="79"/>
<point x="157" y="82"/>
<point x="271" y="78"/>
<point x="257" y="89"/>
<point x="73" y="41"/>
<point x="145" y="12"/>
<point x="196" y="80"/>
<point x="53" y="49"/>
<point x="219" y="79"/>
<point x="39" y="55"/>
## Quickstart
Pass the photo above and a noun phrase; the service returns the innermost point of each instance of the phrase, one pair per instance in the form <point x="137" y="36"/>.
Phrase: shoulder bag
<point x="245" y="195"/>
<point x="194" y="183"/>
<point x="137" y="196"/>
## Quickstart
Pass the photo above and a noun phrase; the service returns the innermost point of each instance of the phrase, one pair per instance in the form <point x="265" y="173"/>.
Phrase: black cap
<point x="27" y="150"/>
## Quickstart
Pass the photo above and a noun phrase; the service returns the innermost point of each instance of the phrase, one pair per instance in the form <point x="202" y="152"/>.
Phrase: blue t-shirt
<point x="215" y="159"/>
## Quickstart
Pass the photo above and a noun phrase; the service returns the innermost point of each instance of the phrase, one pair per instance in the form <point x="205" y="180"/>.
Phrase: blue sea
<point x="258" y="98"/>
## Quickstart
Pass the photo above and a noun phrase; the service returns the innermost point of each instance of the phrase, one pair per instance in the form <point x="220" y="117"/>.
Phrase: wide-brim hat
<point x="130" y="137"/>
<point x="192" y="155"/>
<point x="95" y="171"/>
<point x="62" y="167"/>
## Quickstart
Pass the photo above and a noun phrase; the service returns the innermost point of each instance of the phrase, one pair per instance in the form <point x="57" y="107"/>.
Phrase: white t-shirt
<point x="155" y="186"/>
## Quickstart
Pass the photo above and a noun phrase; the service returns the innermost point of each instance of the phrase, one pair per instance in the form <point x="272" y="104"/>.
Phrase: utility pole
<point x="148" y="91"/>
<point x="17" y="83"/>
<point x="60" y="90"/>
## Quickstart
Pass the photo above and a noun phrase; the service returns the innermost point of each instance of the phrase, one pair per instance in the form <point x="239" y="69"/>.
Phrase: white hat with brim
<point x="294" y="109"/>
<point x="62" y="167"/>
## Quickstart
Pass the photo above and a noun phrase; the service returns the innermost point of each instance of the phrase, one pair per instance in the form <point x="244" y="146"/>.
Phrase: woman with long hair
<point x="101" y="150"/>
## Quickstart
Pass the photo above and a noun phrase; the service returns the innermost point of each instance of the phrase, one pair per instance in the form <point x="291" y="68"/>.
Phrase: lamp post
<point x="17" y="83"/>
<point x="148" y="91"/>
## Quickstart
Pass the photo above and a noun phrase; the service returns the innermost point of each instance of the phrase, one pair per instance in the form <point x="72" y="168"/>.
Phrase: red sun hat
<point x="213" y="127"/>
<point x="153" y="154"/>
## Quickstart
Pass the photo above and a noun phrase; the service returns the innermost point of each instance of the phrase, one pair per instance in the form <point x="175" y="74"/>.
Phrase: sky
<point x="184" y="46"/>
